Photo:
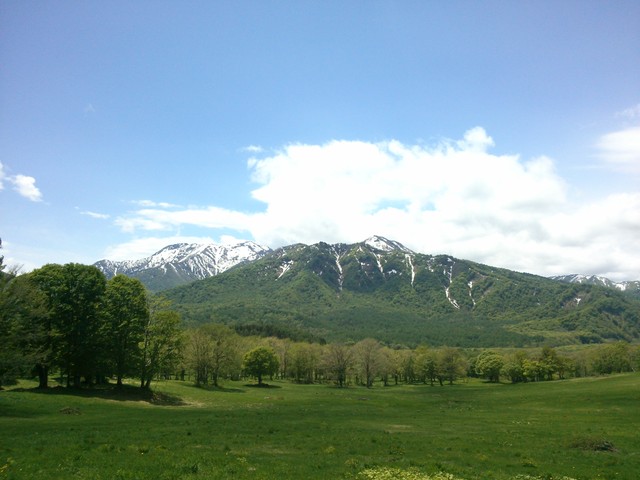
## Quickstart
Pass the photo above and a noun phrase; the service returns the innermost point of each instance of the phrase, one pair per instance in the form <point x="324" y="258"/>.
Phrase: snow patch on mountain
<point x="382" y="244"/>
<point x="594" y="280"/>
<point x="188" y="260"/>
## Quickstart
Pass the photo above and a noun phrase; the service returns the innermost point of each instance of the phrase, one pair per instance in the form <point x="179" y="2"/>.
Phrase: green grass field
<point x="583" y="429"/>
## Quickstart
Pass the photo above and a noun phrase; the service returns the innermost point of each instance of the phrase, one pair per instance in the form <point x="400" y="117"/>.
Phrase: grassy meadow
<point x="581" y="428"/>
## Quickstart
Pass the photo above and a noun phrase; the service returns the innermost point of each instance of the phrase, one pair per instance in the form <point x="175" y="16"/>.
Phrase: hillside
<point x="381" y="289"/>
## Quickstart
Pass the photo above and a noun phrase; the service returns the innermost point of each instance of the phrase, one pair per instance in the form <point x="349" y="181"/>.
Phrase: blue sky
<point x="502" y="132"/>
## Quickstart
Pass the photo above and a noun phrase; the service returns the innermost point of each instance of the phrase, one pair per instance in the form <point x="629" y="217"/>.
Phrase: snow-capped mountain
<point x="379" y="288"/>
<point x="183" y="263"/>
<point x="632" y="287"/>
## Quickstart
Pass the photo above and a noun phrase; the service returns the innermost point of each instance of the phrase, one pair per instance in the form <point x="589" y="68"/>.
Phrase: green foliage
<point x="73" y="295"/>
<point x="126" y="314"/>
<point x="162" y="342"/>
<point x="22" y="335"/>
<point x="259" y="362"/>
<point x="489" y="364"/>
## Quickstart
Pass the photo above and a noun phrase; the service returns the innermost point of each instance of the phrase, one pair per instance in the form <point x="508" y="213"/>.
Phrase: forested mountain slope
<point x="379" y="288"/>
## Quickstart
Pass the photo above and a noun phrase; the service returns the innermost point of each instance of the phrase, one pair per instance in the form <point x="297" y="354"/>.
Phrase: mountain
<point x="379" y="288"/>
<point x="632" y="288"/>
<point x="183" y="263"/>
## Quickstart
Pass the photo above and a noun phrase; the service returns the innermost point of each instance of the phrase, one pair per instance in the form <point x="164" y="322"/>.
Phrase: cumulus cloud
<point x="454" y="197"/>
<point x="621" y="149"/>
<point x="26" y="187"/>
<point x="23" y="184"/>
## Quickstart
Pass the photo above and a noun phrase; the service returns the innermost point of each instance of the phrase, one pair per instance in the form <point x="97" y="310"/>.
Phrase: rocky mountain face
<point x="183" y="263"/>
<point x="379" y="288"/>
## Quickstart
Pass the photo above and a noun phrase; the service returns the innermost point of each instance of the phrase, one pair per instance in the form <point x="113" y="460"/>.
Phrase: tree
<point x="214" y="352"/>
<point x="22" y="336"/>
<point x="126" y="314"/>
<point x="489" y="365"/>
<point x="162" y="341"/>
<point x="451" y="364"/>
<point x="304" y="362"/>
<point x="259" y="362"/>
<point x="73" y="295"/>
<point x="612" y="358"/>
<point x="427" y="364"/>
<point x="367" y="353"/>
<point x="339" y="361"/>
<point x="514" y="367"/>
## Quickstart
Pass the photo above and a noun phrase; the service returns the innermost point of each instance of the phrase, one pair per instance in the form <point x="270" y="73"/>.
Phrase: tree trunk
<point x="43" y="375"/>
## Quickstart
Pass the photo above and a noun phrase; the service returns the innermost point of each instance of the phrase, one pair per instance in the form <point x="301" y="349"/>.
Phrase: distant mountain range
<point x="379" y="288"/>
<point x="632" y="287"/>
<point x="183" y="263"/>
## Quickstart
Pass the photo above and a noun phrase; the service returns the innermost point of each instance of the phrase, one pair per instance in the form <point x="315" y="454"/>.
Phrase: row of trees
<point x="70" y="319"/>
<point x="215" y="352"/>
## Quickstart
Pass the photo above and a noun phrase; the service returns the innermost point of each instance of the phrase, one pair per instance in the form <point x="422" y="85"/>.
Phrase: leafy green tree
<point x="73" y="295"/>
<point x="451" y="364"/>
<point x="198" y="354"/>
<point x="427" y="363"/>
<point x="224" y="351"/>
<point x="369" y="360"/>
<point x="163" y="341"/>
<point x="338" y="360"/>
<point x="304" y="362"/>
<point x="551" y="362"/>
<point x="259" y="362"/>
<point x="513" y="367"/>
<point x="22" y="336"/>
<point x="489" y="365"/>
<point x="612" y="358"/>
<point x="126" y="314"/>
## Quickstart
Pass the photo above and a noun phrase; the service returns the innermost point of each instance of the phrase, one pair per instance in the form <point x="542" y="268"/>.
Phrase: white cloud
<point x="26" y="186"/>
<point x="630" y="113"/>
<point x="454" y="198"/>
<point x="101" y="216"/>
<point x="151" y="203"/>
<point x="160" y="219"/>
<point x="23" y="184"/>
<point x="621" y="149"/>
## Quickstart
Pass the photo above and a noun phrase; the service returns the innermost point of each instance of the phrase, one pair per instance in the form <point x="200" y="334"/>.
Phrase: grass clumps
<point x="592" y="444"/>
<point x="389" y="473"/>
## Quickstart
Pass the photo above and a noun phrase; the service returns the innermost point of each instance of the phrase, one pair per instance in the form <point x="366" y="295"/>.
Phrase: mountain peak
<point x="383" y="244"/>
<point x="182" y="263"/>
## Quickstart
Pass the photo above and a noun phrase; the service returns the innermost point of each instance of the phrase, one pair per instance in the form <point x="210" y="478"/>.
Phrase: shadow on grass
<point x="111" y="392"/>
<point x="211" y="388"/>
<point x="263" y="385"/>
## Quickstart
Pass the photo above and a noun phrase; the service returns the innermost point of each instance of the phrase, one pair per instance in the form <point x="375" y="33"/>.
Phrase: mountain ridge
<point x="631" y="287"/>
<point x="381" y="289"/>
<point x="181" y="263"/>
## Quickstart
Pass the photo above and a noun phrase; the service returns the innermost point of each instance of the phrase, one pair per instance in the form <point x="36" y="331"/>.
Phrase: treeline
<point x="69" y="320"/>
<point x="215" y="352"/>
